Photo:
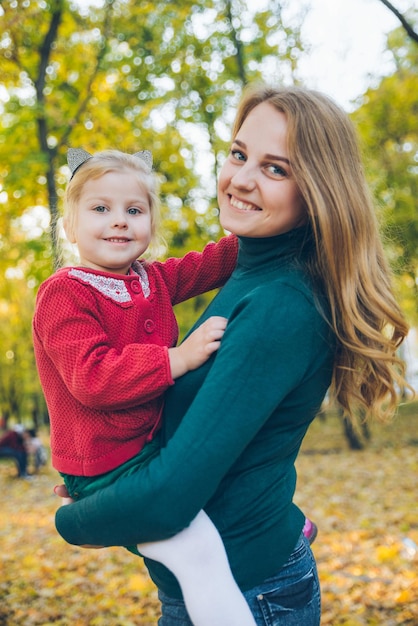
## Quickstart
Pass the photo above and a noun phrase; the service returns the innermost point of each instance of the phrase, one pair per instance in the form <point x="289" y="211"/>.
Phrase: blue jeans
<point x="290" y="598"/>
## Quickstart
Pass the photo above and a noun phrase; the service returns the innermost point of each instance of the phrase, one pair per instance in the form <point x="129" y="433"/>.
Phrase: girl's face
<point x="257" y="194"/>
<point x="113" y="224"/>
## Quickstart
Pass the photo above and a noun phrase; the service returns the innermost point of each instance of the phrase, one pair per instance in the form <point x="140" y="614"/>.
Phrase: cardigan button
<point x="135" y="286"/>
<point x="149" y="326"/>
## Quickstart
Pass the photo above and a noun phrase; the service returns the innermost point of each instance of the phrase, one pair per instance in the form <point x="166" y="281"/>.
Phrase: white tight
<point x="197" y="557"/>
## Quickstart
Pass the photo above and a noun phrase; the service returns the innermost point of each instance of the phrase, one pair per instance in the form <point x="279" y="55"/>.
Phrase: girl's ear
<point x="69" y="231"/>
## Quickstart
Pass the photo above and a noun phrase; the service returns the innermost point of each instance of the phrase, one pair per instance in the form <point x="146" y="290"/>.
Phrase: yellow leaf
<point x="138" y="582"/>
<point x="387" y="553"/>
<point x="404" y="596"/>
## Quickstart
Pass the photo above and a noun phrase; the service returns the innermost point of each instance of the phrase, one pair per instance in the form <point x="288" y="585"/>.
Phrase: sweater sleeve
<point x="226" y="414"/>
<point x="68" y="333"/>
<point x="199" y="272"/>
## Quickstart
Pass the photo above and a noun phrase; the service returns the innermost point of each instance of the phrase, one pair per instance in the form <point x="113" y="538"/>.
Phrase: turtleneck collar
<point x="294" y="243"/>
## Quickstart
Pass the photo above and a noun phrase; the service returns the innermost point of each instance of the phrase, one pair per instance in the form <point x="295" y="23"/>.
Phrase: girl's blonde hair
<point x="349" y="260"/>
<point x="102" y="163"/>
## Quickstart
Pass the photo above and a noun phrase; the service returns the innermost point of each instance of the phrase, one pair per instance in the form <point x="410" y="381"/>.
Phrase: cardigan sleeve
<point x="224" y="417"/>
<point x="68" y="333"/>
<point x="199" y="272"/>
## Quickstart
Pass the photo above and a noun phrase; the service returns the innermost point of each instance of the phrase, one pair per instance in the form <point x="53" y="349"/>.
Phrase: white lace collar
<point x="113" y="288"/>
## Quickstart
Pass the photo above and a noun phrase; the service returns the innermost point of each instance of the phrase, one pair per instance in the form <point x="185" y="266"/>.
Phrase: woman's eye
<point x="238" y="155"/>
<point x="277" y="171"/>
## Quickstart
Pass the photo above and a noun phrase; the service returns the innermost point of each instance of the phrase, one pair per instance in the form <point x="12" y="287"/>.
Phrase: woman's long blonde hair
<point x="349" y="260"/>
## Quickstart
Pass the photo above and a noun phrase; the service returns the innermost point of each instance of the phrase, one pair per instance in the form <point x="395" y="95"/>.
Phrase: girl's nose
<point x="119" y="221"/>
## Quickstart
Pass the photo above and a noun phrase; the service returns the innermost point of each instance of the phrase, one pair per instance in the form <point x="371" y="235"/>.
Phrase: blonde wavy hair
<point x="102" y="163"/>
<point x="349" y="259"/>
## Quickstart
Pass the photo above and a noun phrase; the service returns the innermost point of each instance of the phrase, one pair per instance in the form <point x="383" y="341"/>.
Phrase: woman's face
<point x="257" y="194"/>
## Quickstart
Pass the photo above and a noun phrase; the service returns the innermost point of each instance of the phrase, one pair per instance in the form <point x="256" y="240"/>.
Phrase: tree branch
<point x="406" y="25"/>
<point x="239" y="56"/>
<point x="45" y="50"/>
<point x="100" y="55"/>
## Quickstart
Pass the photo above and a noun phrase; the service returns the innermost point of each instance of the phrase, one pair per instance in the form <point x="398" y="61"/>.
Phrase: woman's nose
<point x="245" y="177"/>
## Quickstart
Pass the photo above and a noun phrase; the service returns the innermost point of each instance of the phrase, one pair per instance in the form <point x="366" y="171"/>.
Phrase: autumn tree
<point x="131" y="75"/>
<point x="387" y="122"/>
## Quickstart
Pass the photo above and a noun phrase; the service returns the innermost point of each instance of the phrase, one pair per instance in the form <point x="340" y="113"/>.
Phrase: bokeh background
<point x="166" y="77"/>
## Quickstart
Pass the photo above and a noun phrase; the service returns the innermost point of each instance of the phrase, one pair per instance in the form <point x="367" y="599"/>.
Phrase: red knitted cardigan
<point x="101" y="346"/>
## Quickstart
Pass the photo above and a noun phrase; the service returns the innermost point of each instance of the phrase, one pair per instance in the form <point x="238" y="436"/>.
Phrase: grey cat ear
<point x="146" y="156"/>
<point x="76" y="157"/>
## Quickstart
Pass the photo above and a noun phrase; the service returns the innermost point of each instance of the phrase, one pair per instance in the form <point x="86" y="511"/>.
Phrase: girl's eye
<point x="238" y="155"/>
<point x="133" y="210"/>
<point x="100" y="209"/>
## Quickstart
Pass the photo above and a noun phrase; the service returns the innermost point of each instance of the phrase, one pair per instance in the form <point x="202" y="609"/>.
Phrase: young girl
<point x="104" y="337"/>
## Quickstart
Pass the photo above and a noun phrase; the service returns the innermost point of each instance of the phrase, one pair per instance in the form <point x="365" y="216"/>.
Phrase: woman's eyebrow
<point x="273" y="157"/>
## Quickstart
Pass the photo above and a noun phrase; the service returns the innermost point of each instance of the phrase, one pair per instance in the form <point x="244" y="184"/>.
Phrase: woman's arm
<point x="255" y="360"/>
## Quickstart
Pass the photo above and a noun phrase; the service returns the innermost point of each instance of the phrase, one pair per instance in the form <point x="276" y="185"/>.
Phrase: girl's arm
<point x="100" y="376"/>
<point x="67" y="331"/>
<point x="199" y="272"/>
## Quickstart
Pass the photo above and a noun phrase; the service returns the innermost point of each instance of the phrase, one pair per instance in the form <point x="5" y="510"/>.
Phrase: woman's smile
<point x="243" y="206"/>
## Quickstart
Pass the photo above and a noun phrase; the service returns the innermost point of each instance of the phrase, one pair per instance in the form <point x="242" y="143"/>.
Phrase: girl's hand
<point x="198" y="346"/>
<point x="61" y="492"/>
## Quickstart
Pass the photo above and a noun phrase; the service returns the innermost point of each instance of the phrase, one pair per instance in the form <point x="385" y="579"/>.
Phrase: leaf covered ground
<point x="364" y="502"/>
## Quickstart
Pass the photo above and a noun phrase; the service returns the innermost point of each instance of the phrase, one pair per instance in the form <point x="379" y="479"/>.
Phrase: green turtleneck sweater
<point x="233" y="427"/>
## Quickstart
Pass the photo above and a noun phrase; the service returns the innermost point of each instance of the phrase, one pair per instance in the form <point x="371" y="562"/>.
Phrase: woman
<point x="309" y="306"/>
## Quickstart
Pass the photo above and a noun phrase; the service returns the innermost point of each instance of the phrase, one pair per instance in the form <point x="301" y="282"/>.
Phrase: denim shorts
<point x="290" y="598"/>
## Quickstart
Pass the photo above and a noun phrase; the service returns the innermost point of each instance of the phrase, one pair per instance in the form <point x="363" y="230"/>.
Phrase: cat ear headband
<point x="77" y="156"/>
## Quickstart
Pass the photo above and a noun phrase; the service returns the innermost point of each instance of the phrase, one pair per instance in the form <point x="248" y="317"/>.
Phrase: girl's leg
<point x="198" y="559"/>
<point x="291" y="597"/>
